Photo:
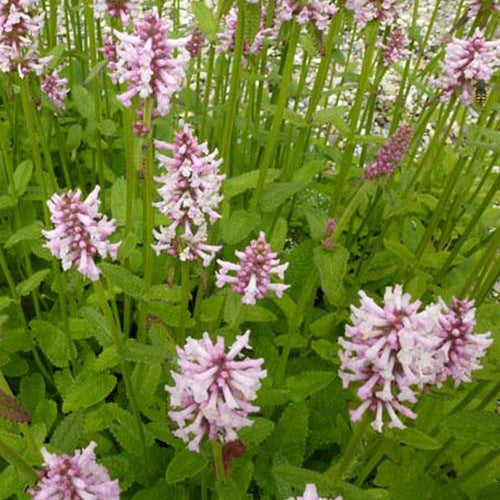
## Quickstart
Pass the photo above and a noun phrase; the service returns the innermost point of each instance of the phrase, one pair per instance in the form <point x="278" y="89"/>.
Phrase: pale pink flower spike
<point x="311" y="493"/>
<point x="254" y="272"/>
<point x="78" y="476"/>
<point x="80" y="232"/>
<point x="214" y="389"/>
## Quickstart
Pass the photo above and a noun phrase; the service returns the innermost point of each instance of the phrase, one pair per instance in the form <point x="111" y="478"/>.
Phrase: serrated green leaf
<point x="184" y="465"/>
<point x="108" y="358"/>
<point x="74" y="137"/>
<point x="416" y="438"/>
<point x="68" y="433"/>
<point x="107" y="127"/>
<point x="53" y="342"/>
<point x="143" y="353"/>
<point x="258" y="314"/>
<point x="122" y="278"/>
<point x="400" y="251"/>
<point x="258" y="432"/>
<point x="334" y="116"/>
<point x="32" y="283"/>
<point x="276" y="194"/>
<point x="306" y="383"/>
<point x="238" y="226"/>
<point x="332" y="266"/>
<point x="98" y="324"/>
<point x="27" y="233"/>
<point x="241" y="183"/>
<point x="22" y="177"/>
<point x="475" y="426"/>
<point x="88" y="389"/>
<point x="5" y="302"/>
<point x="82" y="101"/>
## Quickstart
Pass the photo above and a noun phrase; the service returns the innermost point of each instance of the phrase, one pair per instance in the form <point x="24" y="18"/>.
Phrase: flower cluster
<point x="227" y="38"/>
<point x="395" y="46"/>
<point x="190" y="193"/>
<point x="466" y="62"/>
<point x="390" y="154"/>
<point x="80" y="232"/>
<point x="459" y="347"/>
<point x="79" y="476"/>
<point x="214" y="389"/>
<point x="384" y="11"/>
<point x="316" y="12"/>
<point x="254" y="272"/>
<point x="311" y="493"/>
<point x="150" y="63"/>
<point x="20" y="23"/>
<point x="124" y="10"/>
<point x="396" y="349"/>
<point x="194" y="45"/>
<point x="55" y="88"/>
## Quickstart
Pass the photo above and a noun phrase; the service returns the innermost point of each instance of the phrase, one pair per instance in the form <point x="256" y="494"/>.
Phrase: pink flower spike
<point x="79" y="476"/>
<point x="316" y="12"/>
<point x="390" y="154"/>
<point x="466" y="62"/>
<point x="384" y="11"/>
<point x="311" y="493"/>
<point x="213" y="389"/>
<point x="459" y="346"/>
<point x="395" y="46"/>
<point x="254" y="272"/>
<point x="124" y="10"/>
<point x="190" y="196"/>
<point x="55" y="88"/>
<point x="80" y="232"/>
<point x="391" y="351"/>
<point x="150" y="63"/>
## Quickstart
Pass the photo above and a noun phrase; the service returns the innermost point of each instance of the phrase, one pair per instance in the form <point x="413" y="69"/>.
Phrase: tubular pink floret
<point x="79" y="476"/>
<point x="56" y="88"/>
<point x="254" y="271"/>
<point x="395" y="46"/>
<point x="384" y="11"/>
<point x="80" y="232"/>
<point x="124" y="10"/>
<point x="214" y="389"/>
<point x="316" y="12"/>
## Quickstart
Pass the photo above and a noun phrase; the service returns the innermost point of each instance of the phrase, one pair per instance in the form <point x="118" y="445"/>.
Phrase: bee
<point x="480" y="92"/>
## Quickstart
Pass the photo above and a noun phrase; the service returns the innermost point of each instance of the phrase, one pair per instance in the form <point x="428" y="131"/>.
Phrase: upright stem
<point x="220" y="472"/>
<point x="185" y="293"/>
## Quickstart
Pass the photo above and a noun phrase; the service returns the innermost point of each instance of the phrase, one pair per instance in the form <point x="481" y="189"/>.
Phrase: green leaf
<point x="22" y="177"/>
<point x="107" y="127"/>
<point x="83" y="102"/>
<point x="277" y="194"/>
<point x="258" y="432"/>
<point x="5" y="302"/>
<point x="123" y="279"/>
<point x="32" y="283"/>
<point x="416" y="438"/>
<point x="253" y="18"/>
<point x="89" y="389"/>
<point x="241" y="183"/>
<point x="206" y="19"/>
<point x="74" y="137"/>
<point x="258" y="314"/>
<point x="238" y="226"/>
<point x="309" y="171"/>
<point x="228" y="490"/>
<point x="326" y="350"/>
<point x="280" y="232"/>
<point x="108" y="358"/>
<point x="98" y="323"/>
<point x="400" y="251"/>
<point x="289" y="437"/>
<point x="332" y="267"/>
<point x="26" y="233"/>
<point x="145" y="379"/>
<point x="184" y="465"/>
<point x="68" y="433"/>
<point x="306" y="383"/>
<point x="53" y="342"/>
<point x="143" y="353"/>
<point x="334" y="116"/>
<point x="7" y="201"/>
<point x="298" y="477"/>
<point x="32" y="390"/>
<point x="475" y="427"/>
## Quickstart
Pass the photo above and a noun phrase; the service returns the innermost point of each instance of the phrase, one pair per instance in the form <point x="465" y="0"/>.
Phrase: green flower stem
<point x="206" y="96"/>
<point x="481" y="293"/>
<point x="220" y="473"/>
<point x="373" y="462"/>
<point x="278" y="116"/>
<point x="118" y="340"/>
<point x="234" y="87"/>
<point x="185" y="295"/>
<point x="371" y="32"/>
<point x="306" y="297"/>
<point x="487" y="256"/>
<point x="486" y="203"/>
<point x="238" y="317"/>
<point x="12" y="456"/>
<point x="336" y="471"/>
<point x="90" y="29"/>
